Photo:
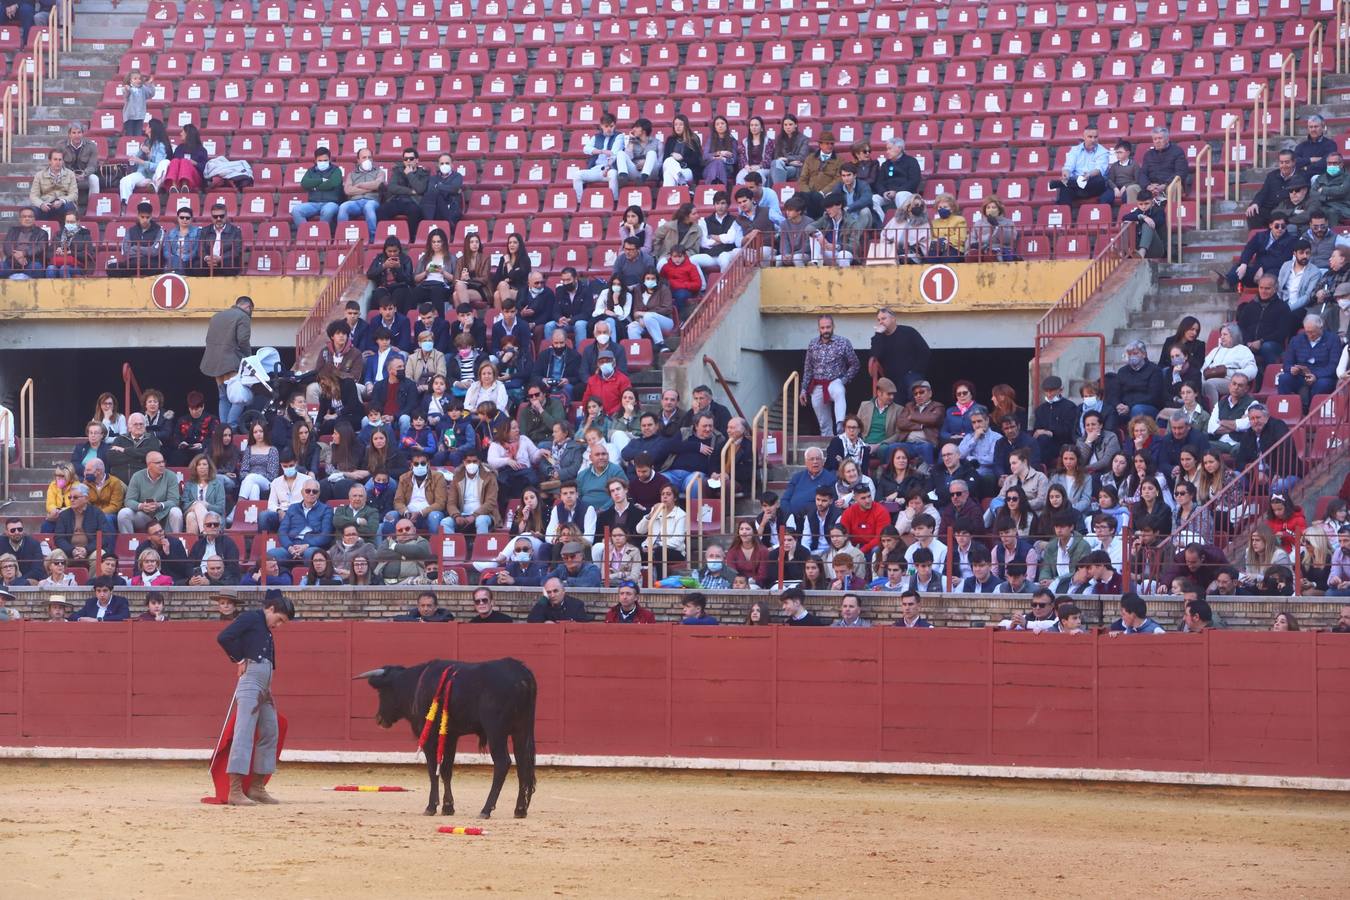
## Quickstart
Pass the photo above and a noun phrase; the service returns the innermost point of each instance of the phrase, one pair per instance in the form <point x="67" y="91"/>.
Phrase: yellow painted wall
<point x="280" y="297"/>
<point x="983" y="287"/>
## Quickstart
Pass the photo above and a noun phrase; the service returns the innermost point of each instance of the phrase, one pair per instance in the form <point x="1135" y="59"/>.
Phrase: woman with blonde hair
<point x="202" y="493"/>
<point x="947" y="231"/>
<point x="57" y="567"/>
<point x="148" y="571"/>
<point x="1259" y="553"/>
<point x="58" y="494"/>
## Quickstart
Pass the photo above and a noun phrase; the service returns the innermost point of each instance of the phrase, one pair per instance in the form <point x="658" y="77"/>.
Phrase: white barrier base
<point x="840" y="767"/>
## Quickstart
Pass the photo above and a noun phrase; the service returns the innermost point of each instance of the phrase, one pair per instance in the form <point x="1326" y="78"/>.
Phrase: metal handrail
<point x="1313" y="60"/>
<point x="1175" y="225"/>
<point x="5" y="416"/>
<point x="1232" y="143"/>
<point x="727" y="462"/>
<point x="1342" y="36"/>
<point x="128" y="383"/>
<point x="692" y="510"/>
<point x="717" y="373"/>
<point x="27" y="425"/>
<point x="1204" y="187"/>
<point x="1288" y="93"/>
<point x="791" y="386"/>
<point x="698" y="324"/>
<point x="353" y="264"/>
<point x="1260" y="126"/>
<point x="7" y="92"/>
<point x="1109" y="256"/>
<point x="756" y="433"/>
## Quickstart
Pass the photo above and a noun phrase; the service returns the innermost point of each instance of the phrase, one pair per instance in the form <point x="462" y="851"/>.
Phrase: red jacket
<point x="609" y="390"/>
<point x="641" y="615"/>
<point x="1288" y="531"/>
<point x="864" y="526"/>
<point x="685" y="277"/>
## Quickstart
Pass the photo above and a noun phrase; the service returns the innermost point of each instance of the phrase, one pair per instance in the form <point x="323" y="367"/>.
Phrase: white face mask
<point x="445" y="168"/>
<point x="607" y="369"/>
<point x="322" y="166"/>
<point x="650" y="283"/>
<point x="72" y="227"/>
<point x="1343" y="302"/>
<point x="367" y="165"/>
<point x="471" y="469"/>
<point x="602" y="339"/>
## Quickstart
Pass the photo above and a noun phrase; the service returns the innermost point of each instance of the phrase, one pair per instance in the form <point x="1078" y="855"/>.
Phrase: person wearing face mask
<point x="1056" y="418"/>
<point x="534" y="305"/>
<point x="518" y="566"/>
<point x="573" y="300"/>
<point x="71" y="253"/>
<point x="323" y="181"/>
<point x="1331" y="296"/>
<point x="284" y="490"/>
<point x="1139" y="389"/>
<point x="444" y="197"/>
<point x="363" y="185"/>
<point x="614" y="305"/>
<point x="653" y="311"/>
<point x="1331" y="188"/>
<point x="471" y="498"/>
<point x="407" y="186"/>
<point x="420" y="498"/>
<point x="607" y="384"/>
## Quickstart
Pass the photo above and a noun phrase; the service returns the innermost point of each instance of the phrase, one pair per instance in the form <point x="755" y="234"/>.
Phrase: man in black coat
<point x="211" y="542"/>
<point x="651" y="442"/>
<point x="1274" y="190"/>
<point x="1283" y="467"/>
<point x="26" y="550"/>
<point x="557" y="605"/>
<point x="704" y="404"/>
<point x="1310" y="155"/>
<point x="1265" y="252"/>
<point x="1139" y="388"/>
<point x="1056" y="419"/>
<point x="405" y="393"/>
<point x="900" y="351"/>
<point x="1162" y="162"/>
<point x="1266" y="324"/>
<point x="173" y="558"/>
<point x="559" y="366"/>
<point x="427" y="610"/>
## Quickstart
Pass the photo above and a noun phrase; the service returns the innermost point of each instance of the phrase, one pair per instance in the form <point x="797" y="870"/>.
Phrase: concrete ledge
<point x="841" y="767"/>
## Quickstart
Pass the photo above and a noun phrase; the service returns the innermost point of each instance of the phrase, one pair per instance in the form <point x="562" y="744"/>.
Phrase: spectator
<point x="694" y="606"/>
<point x="911" y="613"/>
<point x="136" y="95"/>
<point x="25" y="248"/>
<point x="323" y="184"/>
<point x="1310" y="361"/>
<point x="639" y="157"/>
<point x="838" y="234"/>
<point x="1312" y="153"/>
<point x="593" y="481"/>
<point x="682" y="156"/>
<point x="666" y="525"/>
<point x="1229" y="359"/>
<point x="632" y="263"/>
<point x="203" y="495"/>
<point x="471" y="498"/>
<point x="947" y="235"/>
<point x="105" y="492"/>
<point x="154" y="608"/>
<point x="1273" y="190"/>
<point x="362" y="187"/>
<point x="81" y="157"/>
<point x="756" y="151"/>
<point x="1331" y="190"/>
<point x="794" y="610"/>
<point x="392" y="275"/>
<point x="77" y="526"/>
<point x="513" y="271"/>
<point x="601" y="158"/>
<point x="698" y="456"/>
<point x="149" y="163"/>
<point x="428" y="609"/>
<point x="653" y="311"/>
<point x="680" y="230"/>
<point x="211" y="544"/>
<point x="306" y="528"/>
<point x="1056" y="418"/>
<point x="352" y="544"/>
<point x="1063" y="554"/>
<point x="54" y="190"/>
<point x="403" y="195"/>
<point x="919" y="421"/>
<point x="395" y="396"/>
<point x="607" y="383"/>
<point x="628" y="609"/>
<point x="898" y="179"/>
<point x="720" y="236"/>
<point x="104" y="606"/>
<point x="704" y="405"/>
<point x="26" y="551"/>
<point x="557" y="605"/>
<point x="764" y="197"/>
<point x="152" y="495"/>
<point x="1134" y="617"/>
<point x="1266" y="322"/>
<point x="830" y="364"/>
<point x="1298" y="277"/>
<point x="485" y="611"/>
<point x="444" y="197"/>
<point x="1282" y="468"/>
<point x="850" y="613"/>
<point x="790" y="149"/>
<point x="1163" y="162"/>
<point x="574" y="570"/>
<point x="1150" y="226"/>
<point x="1322" y="239"/>
<point x="861" y="151"/>
<point x="755" y="219"/>
<point x="1298" y="208"/>
<point x="864" y="520"/>
<point x="820" y="176"/>
<point x="182" y="245"/>
<point x="222" y="250"/>
<point x="1331" y="290"/>
<point x="106" y="414"/>
<point x="1123" y="176"/>
<point x="421" y="495"/>
<point x="188" y="162"/>
<point x="1139" y="389"/>
<point x="71" y="253"/>
<point x="404" y="558"/>
<point x="993" y="237"/>
<point x="1084" y="173"/>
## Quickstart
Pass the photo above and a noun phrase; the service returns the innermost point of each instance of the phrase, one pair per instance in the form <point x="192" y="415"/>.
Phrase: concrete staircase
<point x="28" y="486"/>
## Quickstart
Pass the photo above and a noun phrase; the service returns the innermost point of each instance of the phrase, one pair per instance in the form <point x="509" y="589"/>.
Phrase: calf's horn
<point x="371" y="674"/>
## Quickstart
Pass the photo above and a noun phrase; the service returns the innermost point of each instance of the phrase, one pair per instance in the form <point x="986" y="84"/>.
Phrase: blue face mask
<point x="1333" y="171"/>
<point x="714" y="565"/>
<point x="288" y="471"/>
<point x="943" y="212"/>
<point x="420" y="470"/>
<point x="607" y="369"/>
<point x="427" y="346"/>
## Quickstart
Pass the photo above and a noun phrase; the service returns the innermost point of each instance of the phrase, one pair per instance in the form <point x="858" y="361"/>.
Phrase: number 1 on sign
<point x="938" y="284"/>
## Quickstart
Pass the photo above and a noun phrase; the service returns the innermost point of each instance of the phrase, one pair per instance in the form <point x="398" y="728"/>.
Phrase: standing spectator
<point x="142" y="246"/>
<point x="136" y="95"/>
<point x="323" y="184"/>
<point x="830" y="364"/>
<point x="1123" y="176"/>
<point x="682" y="156"/>
<point x="228" y="340"/>
<point x="723" y="160"/>
<point x="1163" y="162"/>
<point x="25" y="248"/>
<point x="188" y="162"/>
<point x="54" y="190"/>
<point x="363" y="186"/>
<point x="900" y="351"/>
<point x="403" y="196"/>
<point x="72" y="250"/>
<point x="444" y="198"/>
<point x="82" y="157"/>
<point x="1084" y="173"/>
<point x="1273" y="190"/>
<point x="149" y="163"/>
<point x="600" y="150"/>
<point x="789" y="149"/>
<point x="222" y="250"/>
<point x="898" y="179"/>
<point x="1311" y="154"/>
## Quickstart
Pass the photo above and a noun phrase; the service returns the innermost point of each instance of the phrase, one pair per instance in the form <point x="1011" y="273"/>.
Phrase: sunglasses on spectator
<point x="186" y="217"/>
<point x="958" y="493"/>
<point x="481" y="601"/>
<point x="310" y="491"/>
<point x="534" y="394"/>
<point x="217" y="216"/>
<point x="1040" y="605"/>
<point x="16" y="530"/>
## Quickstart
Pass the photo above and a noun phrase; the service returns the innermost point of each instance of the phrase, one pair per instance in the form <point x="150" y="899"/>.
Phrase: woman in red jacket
<point x="748" y="556"/>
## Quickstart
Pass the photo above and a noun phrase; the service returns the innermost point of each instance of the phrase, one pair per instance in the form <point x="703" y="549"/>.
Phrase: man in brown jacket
<point x="421" y="494"/>
<point x="918" y="423"/>
<point x="820" y="176"/>
<point x="879" y="417"/>
<point x="54" y="190"/>
<point x="471" y="501"/>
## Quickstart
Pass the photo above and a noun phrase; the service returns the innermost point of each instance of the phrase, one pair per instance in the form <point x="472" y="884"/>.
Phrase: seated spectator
<point x="322" y="183"/>
<point x="794" y="610"/>
<point x="1228" y="360"/>
<point x="1311" y="154"/>
<point x="574" y="570"/>
<point x="698" y="456"/>
<point x="682" y="155"/>
<point x="798" y="236"/>
<point x="1266" y="323"/>
<point x="400" y="331"/>
<point x="1134" y="617"/>
<point x="306" y="528"/>
<point x="666" y="527"/>
<point x="222" y="247"/>
<point x="1163" y="162"/>
<point x="1273" y="190"/>
<point x="1332" y="288"/>
<point x="628" y="609"/>
<point x="152" y="495"/>
<point x="471" y="498"/>
<point x="684" y="278"/>
<point x="268" y="574"/>
<point x="993" y="236"/>
<point x="1123" y="176"/>
<point x="680" y="230"/>
<point x="982" y="579"/>
<point x="396" y="397"/>
<point x="513" y="271"/>
<point x="444" y="197"/>
<point x="182" y="245"/>
<point x="421" y="496"/>
<point x="405" y="190"/>
<point x="850" y="613"/>
<point x="149" y="162"/>
<point x="898" y="179"/>
<point x="838" y="235"/>
<point x="54" y="190"/>
<point x="472" y="274"/>
<point x="640" y="156"/>
<point x="1331" y="191"/>
<point x="1150" y="226"/>
<point x="403" y="559"/>
<point x="752" y="218"/>
<point x="1139" y="389"/>
<point x="212" y="573"/>
<point x="633" y="260"/>
<point x="694" y="607"/>
<point x="392" y="275"/>
<point x="601" y="157"/>
<point x="56" y="568"/>
<point x="148" y="570"/>
<point x="1084" y="173"/>
<point x="154" y="608"/>
<point x="764" y="197"/>
<point x="1298" y="277"/>
<point x="104" y="606"/>
<point x="947" y="233"/>
<point x="362" y="187"/>
<point x="911" y="613"/>
<point x="819" y="176"/>
<point x="607" y="383"/>
<point x="25" y="251"/>
<point x="81" y="157"/>
<point x="756" y="151"/>
<point x="428" y="609"/>
<point x="652" y="311"/>
<point x="557" y="605"/>
<point x="1042" y="616"/>
<point x="1298" y="208"/>
<point x="535" y="305"/>
<point x="789" y="152"/>
<point x="188" y="163"/>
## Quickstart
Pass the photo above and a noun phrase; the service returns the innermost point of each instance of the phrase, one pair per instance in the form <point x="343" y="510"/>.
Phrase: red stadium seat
<point x="486" y="547"/>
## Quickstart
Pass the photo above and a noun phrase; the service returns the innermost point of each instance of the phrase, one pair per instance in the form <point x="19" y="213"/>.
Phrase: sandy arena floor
<point x="94" y="830"/>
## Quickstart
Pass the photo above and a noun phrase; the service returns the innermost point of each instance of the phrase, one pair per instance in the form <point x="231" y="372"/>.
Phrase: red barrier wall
<point x="1255" y="703"/>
